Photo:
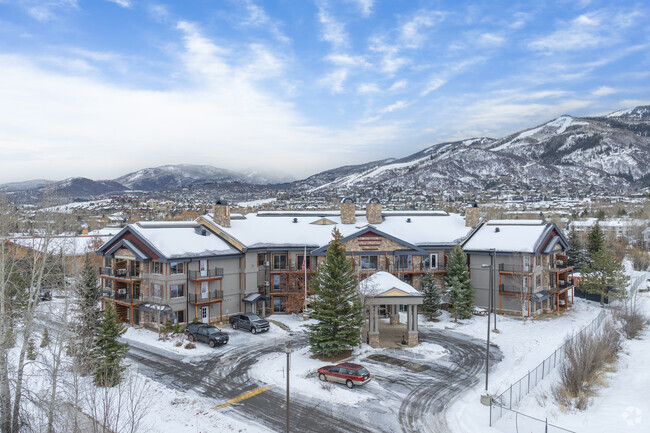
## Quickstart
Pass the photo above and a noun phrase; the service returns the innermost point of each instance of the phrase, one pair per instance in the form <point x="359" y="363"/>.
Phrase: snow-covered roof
<point x="385" y="284"/>
<point x="507" y="236"/>
<point x="180" y="240"/>
<point x="297" y="229"/>
<point x="67" y="245"/>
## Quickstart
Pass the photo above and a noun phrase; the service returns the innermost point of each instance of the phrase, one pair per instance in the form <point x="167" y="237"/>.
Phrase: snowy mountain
<point x="24" y="186"/>
<point x="610" y="152"/>
<point x="82" y="187"/>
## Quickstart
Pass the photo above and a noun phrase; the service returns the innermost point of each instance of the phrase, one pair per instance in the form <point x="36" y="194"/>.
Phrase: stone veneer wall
<point x="373" y="213"/>
<point x="348" y="213"/>
<point x="222" y="215"/>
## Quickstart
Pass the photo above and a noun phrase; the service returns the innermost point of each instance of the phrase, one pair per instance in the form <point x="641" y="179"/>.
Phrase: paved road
<point x="410" y="401"/>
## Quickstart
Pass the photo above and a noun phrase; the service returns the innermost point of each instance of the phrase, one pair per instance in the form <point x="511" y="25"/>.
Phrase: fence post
<point x="490" y="412"/>
<point x="510" y="396"/>
<point x="543" y="368"/>
<point x="528" y="382"/>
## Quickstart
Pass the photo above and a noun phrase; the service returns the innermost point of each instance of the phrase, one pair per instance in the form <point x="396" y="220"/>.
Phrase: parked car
<point x="249" y="322"/>
<point x="206" y="334"/>
<point x="348" y="373"/>
<point x="45" y="295"/>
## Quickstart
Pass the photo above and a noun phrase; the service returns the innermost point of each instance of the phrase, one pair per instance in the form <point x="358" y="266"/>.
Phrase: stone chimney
<point x="348" y="211"/>
<point x="471" y="214"/>
<point x="221" y="213"/>
<point x="373" y="211"/>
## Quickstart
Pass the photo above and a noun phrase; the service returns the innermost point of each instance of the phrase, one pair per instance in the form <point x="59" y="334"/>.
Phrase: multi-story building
<point x="211" y="267"/>
<point x="528" y="263"/>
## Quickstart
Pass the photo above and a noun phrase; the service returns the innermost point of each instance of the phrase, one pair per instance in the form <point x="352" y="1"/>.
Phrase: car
<point x="249" y="322"/>
<point x="206" y="334"/>
<point x="348" y="373"/>
<point x="45" y="295"/>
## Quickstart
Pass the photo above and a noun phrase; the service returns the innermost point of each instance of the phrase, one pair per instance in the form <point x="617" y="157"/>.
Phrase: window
<point x="433" y="261"/>
<point x="369" y="262"/>
<point x="300" y="259"/>
<point x="108" y="284"/>
<point x="276" y="282"/>
<point x="178" y="316"/>
<point x="280" y="261"/>
<point x="404" y="262"/>
<point x="279" y="304"/>
<point x="157" y="268"/>
<point x="157" y="291"/>
<point x="177" y="290"/>
<point x="177" y="268"/>
<point x="261" y="259"/>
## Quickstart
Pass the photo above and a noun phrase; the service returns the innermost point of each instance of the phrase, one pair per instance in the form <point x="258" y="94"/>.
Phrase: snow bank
<point x="150" y="338"/>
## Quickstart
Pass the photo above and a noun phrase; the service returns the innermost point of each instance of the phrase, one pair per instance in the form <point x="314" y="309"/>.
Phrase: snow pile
<point x="150" y="338"/>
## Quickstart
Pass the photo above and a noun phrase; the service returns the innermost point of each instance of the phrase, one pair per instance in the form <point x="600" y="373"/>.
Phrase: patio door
<point x="203" y="268"/>
<point x="205" y="316"/>
<point x="204" y="290"/>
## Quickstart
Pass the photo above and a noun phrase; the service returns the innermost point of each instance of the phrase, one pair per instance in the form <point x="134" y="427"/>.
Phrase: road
<point x="409" y="401"/>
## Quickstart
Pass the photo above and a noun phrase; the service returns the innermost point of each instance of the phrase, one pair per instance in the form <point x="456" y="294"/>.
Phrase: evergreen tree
<point x="108" y="352"/>
<point x="576" y="254"/>
<point x="432" y="296"/>
<point x="596" y="241"/>
<point x="459" y="285"/>
<point x="337" y="306"/>
<point x="605" y="276"/>
<point x="31" y="350"/>
<point x="88" y="318"/>
<point x="45" y="339"/>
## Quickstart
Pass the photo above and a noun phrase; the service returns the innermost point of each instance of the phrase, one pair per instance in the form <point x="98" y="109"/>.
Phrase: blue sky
<point x="101" y="88"/>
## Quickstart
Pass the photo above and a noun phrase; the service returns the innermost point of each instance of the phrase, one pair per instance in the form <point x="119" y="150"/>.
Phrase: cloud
<point x="589" y="30"/>
<point x="46" y="10"/>
<point x="396" y="106"/>
<point x="367" y="88"/>
<point x="365" y="6"/>
<point x="441" y="78"/>
<point x="159" y="12"/>
<point x="332" y="30"/>
<point x="397" y="85"/>
<point x="257" y="17"/>
<point x="123" y="3"/>
<point x="411" y="33"/>
<point x="347" y="60"/>
<point x="603" y="91"/>
<point x="334" y="80"/>
<point x="491" y="40"/>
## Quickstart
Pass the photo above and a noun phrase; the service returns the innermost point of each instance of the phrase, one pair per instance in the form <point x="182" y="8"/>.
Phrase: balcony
<point x="203" y="297"/>
<point x="123" y="295"/>
<point x="292" y="268"/>
<point x="514" y="269"/>
<point x="120" y="273"/>
<point x="210" y="273"/>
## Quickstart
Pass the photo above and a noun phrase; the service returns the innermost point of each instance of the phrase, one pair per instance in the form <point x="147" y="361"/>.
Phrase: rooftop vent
<point x="295" y="220"/>
<point x="204" y="232"/>
<point x="408" y="220"/>
<point x="497" y="230"/>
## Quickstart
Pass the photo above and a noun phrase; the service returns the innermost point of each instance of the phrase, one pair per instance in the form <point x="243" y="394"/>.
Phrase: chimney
<point x="471" y="214"/>
<point x="348" y="211"/>
<point x="222" y="213"/>
<point x="373" y="211"/>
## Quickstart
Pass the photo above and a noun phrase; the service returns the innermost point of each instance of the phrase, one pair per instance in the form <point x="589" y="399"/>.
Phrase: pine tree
<point x="108" y="351"/>
<point x="432" y="296"/>
<point x="575" y="254"/>
<point x="31" y="350"/>
<point x="45" y="339"/>
<point x="459" y="285"/>
<point x="596" y="241"/>
<point x="605" y="276"/>
<point x="337" y="306"/>
<point x="89" y="315"/>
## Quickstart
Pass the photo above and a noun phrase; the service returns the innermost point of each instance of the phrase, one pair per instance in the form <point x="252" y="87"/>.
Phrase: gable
<point x="394" y="292"/>
<point x="323" y="222"/>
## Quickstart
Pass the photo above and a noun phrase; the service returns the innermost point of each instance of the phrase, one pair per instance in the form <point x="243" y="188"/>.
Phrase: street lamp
<point x="287" y="349"/>
<point x="487" y="350"/>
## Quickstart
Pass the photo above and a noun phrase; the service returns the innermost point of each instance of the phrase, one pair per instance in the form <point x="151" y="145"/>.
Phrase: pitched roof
<point x="385" y="284"/>
<point x="514" y="236"/>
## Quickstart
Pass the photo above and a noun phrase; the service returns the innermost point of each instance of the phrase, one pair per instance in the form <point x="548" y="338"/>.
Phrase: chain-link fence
<point x="516" y="392"/>
<point x="520" y="423"/>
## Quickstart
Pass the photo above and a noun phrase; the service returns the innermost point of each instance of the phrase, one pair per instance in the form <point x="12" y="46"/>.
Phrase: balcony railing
<point x="517" y="269"/>
<point x="210" y="273"/>
<point x="293" y="268"/>
<point x="123" y="295"/>
<point x="395" y="268"/>
<point x="121" y="273"/>
<point x="211" y="295"/>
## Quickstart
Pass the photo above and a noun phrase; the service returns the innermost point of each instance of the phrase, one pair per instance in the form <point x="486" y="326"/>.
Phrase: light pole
<point x="287" y="349"/>
<point x="487" y="348"/>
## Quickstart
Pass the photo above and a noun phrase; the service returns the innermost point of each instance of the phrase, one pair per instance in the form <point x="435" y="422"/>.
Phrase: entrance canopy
<point x="155" y="308"/>
<point x="254" y="297"/>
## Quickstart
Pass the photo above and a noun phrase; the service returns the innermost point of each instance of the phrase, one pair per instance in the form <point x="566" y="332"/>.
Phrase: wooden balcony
<point x="123" y="296"/>
<point x="119" y="273"/>
<point x="206" y="297"/>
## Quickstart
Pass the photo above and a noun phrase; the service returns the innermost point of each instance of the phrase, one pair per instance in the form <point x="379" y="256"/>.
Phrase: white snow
<point x="256" y="203"/>
<point x="150" y="338"/>
<point x="507" y="237"/>
<point x="381" y="282"/>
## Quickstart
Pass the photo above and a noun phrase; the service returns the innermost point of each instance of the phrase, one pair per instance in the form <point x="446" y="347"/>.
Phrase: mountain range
<point x="609" y="152"/>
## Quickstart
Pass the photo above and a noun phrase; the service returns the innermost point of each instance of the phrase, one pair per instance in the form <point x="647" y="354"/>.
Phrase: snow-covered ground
<point x="150" y="338"/>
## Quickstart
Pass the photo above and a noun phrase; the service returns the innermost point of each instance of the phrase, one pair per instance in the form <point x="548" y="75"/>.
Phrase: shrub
<point x="190" y="346"/>
<point x="587" y="357"/>
<point x="640" y="259"/>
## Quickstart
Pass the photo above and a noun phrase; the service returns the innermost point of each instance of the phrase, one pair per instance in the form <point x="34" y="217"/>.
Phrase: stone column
<point x="394" y="315"/>
<point x="373" y="327"/>
<point x="412" y="338"/>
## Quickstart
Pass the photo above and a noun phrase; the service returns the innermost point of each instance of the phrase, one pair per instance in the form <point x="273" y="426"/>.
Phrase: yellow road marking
<point x="244" y="396"/>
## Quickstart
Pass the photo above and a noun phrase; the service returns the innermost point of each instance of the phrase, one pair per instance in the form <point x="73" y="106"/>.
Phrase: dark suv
<point x="249" y="322"/>
<point x="206" y="334"/>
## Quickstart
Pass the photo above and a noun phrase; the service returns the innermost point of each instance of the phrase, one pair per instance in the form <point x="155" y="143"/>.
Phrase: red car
<point x="347" y="373"/>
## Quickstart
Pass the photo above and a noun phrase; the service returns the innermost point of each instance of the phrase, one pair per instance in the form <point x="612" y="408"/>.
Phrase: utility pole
<point x="287" y="349"/>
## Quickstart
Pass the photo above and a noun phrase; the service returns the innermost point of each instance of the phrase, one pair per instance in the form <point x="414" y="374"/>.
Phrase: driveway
<point x="400" y="399"/>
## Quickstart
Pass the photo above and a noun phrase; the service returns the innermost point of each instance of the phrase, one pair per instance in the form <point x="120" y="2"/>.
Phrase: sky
<point x="101" y="88"/>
